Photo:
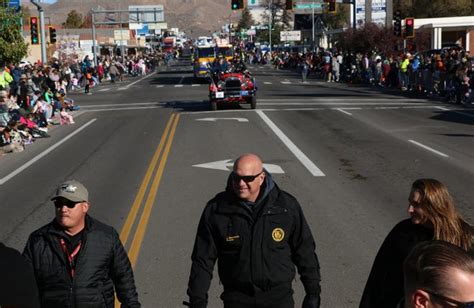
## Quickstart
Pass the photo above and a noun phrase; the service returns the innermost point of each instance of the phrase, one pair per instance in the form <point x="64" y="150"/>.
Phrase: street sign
<point x="14" y="3"/>
<point x="251" y="32"/>
<point x="287" y="36"/>
<point x="304" y="6"/>
<point x="122" y="35"/>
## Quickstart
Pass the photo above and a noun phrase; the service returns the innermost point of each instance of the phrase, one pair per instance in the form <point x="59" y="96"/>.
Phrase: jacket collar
<point x="56" y="229"/>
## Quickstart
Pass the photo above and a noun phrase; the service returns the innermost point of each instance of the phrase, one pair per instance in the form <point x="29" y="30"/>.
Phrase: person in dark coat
<point x="77" y="260"/>
<point x="17" y="281"/>
<point x="438" y="274"/>
<point x="258" y="234"/>
<point x="433" y="216"/>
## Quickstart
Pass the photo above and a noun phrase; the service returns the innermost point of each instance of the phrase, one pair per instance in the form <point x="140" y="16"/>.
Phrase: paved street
<point x="152" y="153"/>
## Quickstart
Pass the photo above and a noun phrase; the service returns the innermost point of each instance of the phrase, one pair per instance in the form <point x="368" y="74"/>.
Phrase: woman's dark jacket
<point x="101" y="264"/>
<point x="384" y="287"/>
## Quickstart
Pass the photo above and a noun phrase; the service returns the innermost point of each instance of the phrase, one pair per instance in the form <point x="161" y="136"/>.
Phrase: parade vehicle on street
<point x="232" y="87"/>
<point x="203" y="56"/>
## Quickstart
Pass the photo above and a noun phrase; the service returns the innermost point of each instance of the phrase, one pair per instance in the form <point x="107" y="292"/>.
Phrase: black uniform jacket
<point x="256" y="251"/>
<point x="384" y="287"/>
<point x="102" y="262"/>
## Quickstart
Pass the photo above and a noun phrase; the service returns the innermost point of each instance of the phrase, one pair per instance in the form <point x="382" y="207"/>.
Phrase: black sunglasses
<point x="450" y="301"/>
<point x="64" y="202"/>
<point x="246" y="178"/>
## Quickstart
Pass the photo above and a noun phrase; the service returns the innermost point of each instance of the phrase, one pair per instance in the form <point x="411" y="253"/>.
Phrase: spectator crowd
<point x="446" y="73"/>
<point x="34" y="97"/>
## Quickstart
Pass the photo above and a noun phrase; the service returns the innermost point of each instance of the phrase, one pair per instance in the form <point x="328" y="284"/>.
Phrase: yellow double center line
<point x="163" y="149"/>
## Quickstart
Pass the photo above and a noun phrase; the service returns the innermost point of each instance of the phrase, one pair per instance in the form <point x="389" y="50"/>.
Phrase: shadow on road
<point x="458" y="135"/>
<point x="461" y="117"/>
<point x="199" y="105"/>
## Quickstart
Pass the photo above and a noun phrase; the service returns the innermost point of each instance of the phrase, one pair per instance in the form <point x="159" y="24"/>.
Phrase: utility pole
<point x="312" y="19"/>
<point x="44" y="59"/>
<point x="94" y="44"/>
<point x="270" y="15"/>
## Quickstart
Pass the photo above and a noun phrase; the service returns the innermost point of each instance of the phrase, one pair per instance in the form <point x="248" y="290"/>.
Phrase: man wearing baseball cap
<point x="77" y="260"/>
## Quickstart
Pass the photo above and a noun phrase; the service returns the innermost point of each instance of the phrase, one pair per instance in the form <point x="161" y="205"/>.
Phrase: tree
<point x="276" y="10"/>
<point x="87" y="21"/>
<point x="73" y="20"/>
<point x="246" y="21"/>
<point x="13" y="47"/>
<point x="370" y="38"/>
<point x="338" y="20"/>
<point x="434" y="8"/>
<point x="280" y="20"/>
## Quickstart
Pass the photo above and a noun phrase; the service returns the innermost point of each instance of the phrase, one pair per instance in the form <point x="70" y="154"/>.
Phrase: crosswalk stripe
<point x="286" y="82"/>
<point x="160" y="86"/>
<point x="103" y="90"/>
<point x="178" y="85"/>
<point x="195" y="85"/>
<point x="267" y="82"/>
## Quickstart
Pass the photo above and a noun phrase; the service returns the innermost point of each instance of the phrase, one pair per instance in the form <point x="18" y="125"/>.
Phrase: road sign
<point x="226" y="165"/>
<point x="304" y="6"/>
<point x="287" y="36"/>
<point x="14" y="3"/>
<point x="251" y="32"/>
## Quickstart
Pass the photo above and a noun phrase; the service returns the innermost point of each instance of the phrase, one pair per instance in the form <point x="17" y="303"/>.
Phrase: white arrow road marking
<point x="312" y="168"/>
<point x="215" y="119"/>
<point x="226" y="165"/>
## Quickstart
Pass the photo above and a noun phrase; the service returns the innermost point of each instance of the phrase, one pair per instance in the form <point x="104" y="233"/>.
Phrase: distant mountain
<point x="196" y="17"/>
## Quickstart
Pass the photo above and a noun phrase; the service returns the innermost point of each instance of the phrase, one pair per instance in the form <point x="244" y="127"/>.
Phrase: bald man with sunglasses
<point x="77" y="260"/>
<point x="257" y="233"/>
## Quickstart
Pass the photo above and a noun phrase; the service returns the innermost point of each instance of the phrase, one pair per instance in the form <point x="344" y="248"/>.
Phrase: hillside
<point x="196" y="17"/>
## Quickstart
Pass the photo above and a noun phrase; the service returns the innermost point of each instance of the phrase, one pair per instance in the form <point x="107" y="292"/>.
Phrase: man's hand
<point x="311" y="301"/>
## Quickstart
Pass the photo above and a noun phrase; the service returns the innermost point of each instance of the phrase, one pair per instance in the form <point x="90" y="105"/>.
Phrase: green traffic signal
<point x="237" y="4"/>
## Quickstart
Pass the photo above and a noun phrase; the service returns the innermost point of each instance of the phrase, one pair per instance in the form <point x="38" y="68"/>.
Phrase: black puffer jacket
<point x="256" y="250"/>
<point x="102" y="262"/>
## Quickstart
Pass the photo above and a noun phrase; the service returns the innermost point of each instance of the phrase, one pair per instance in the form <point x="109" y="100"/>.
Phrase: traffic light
<point x="34" y="30"/>
<point x="397" y="25"/>
<point x="237" y="4"/>
<point x="332" y="6"/>
<point x="288" y="4"/>
<point x="409" y="27"/>
<point x="52" y="35"/>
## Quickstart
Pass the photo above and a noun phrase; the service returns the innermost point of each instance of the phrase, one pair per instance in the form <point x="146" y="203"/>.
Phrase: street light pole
<point x="354" y="12"/>
<point x="270" y="5"/>
<point x="312" y="41"/>
<point x="94" y="44"/>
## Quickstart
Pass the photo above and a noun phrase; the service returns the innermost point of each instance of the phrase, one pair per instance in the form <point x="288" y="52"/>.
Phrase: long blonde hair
<point x="438" y="205"/>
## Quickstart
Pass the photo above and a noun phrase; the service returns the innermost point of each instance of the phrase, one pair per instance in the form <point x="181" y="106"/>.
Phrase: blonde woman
<point x="433" y="216"/>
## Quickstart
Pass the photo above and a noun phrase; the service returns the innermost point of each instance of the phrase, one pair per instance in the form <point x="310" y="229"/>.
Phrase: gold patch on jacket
<point x="278" y="234"/>
<point x="231" y="238"/>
